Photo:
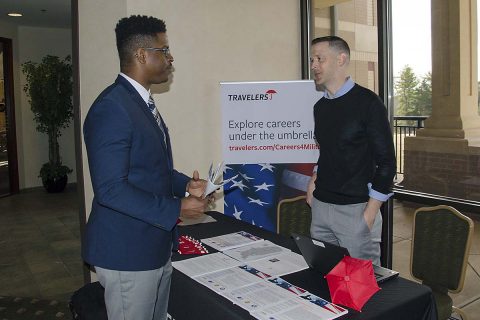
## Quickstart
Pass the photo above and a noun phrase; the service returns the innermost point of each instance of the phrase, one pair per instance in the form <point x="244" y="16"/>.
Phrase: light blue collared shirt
<point x="345" y="88"/>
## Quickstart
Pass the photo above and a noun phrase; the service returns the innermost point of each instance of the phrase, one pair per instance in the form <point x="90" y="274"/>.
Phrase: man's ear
<point x="140" y="55"/>
<point x="342" y="59"/>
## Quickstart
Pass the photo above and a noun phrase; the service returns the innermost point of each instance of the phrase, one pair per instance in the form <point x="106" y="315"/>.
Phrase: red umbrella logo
<point x="271" y="92"/>
<point x="352" y="282"/>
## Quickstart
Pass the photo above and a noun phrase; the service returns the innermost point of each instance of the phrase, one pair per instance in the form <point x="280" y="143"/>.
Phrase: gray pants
<point x="136" y="295"/>
<point x="345" y="225"/>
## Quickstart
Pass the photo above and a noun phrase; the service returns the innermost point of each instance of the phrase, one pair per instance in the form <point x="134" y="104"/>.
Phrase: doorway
<point x="8" y="145"/>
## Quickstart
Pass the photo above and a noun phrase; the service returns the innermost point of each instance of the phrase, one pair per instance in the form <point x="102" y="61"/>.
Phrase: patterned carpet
<point x="16" y="308"/>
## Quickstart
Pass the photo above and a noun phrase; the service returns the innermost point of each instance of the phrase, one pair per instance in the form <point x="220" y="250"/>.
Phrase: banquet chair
<point x="440" y="245"/>
<point x="294" y="216"/>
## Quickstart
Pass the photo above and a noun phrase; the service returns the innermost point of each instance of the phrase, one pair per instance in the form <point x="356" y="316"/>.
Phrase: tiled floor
<point x="40" y="248"/>
<point x="40" y="245"/>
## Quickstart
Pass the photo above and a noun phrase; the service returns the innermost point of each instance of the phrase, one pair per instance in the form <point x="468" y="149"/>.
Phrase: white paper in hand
<point x="213" y="182"/>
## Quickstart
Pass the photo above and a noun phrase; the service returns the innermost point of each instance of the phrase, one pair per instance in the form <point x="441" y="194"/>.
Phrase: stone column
<point x="445" y="154"/>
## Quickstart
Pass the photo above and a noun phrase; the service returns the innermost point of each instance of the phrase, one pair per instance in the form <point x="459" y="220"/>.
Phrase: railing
<point x="405" y="126"/>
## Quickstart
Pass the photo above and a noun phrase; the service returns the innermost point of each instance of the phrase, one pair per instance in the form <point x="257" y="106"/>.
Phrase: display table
<point x="398" y="298"/>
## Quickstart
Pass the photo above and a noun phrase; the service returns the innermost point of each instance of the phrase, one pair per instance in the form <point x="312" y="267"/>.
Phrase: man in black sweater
<point x="357" y="163"/>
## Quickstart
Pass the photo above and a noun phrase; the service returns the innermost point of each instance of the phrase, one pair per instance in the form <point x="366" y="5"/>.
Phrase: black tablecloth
<point x="398" y="298"/>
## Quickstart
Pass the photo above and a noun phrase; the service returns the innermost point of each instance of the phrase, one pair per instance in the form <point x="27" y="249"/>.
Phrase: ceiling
<point x="37" y="13"/>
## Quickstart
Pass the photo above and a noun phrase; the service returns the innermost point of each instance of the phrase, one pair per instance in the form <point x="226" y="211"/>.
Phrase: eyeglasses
<point x="165" y="51"/>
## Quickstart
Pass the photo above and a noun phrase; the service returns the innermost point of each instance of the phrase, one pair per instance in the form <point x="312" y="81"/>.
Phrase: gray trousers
<point x="136" y="295"/>
<point x="345" y="225"/>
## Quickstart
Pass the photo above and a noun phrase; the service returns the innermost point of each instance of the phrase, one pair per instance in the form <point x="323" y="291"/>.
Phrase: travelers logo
<point x="268" y="95"/>
<point x="271" y="92"/>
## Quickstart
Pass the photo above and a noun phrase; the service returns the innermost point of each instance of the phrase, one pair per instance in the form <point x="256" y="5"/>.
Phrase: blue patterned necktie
<point x="156" y="115"/>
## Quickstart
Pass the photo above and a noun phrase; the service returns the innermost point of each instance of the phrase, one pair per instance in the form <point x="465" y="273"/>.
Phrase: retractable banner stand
<point x="269" y="144"/>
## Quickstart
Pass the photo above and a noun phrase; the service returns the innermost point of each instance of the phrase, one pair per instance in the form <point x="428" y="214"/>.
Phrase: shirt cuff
<point x="378" y="195"/>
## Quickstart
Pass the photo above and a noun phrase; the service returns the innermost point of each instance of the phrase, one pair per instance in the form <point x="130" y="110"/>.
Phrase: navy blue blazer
<point x="136" y="190"/>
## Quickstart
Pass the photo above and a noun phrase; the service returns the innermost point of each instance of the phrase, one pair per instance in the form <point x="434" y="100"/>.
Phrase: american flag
<point x="253" y="196"/>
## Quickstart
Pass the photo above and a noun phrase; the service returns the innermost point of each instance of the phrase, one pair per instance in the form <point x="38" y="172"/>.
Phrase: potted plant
<point x="49" y="87"/>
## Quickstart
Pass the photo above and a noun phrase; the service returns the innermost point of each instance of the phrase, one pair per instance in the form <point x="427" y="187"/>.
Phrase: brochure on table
<point x="272" y="266"/>
<point x="252" y="279"/>
<point x="229" y="279"/>
<point x="231" y="240"/>
<point x="280" y="264"/>
<point x="205" y="264"/>
<point x="255" y="251"/>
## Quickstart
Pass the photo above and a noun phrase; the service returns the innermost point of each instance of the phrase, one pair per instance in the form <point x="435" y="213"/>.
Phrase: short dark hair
<point x="335" y="42"/>
<point x="136" y="32"/>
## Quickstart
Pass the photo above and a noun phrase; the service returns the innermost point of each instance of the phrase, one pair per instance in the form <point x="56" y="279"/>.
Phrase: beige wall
<point x="32" y="44"/>
<point x="32" y="146"/>
<point x="211" y="41"/>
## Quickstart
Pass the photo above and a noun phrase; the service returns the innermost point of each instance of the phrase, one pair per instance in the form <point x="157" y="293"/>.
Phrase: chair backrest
<point x="294" y="216"/>
<point x="440" y="246"/>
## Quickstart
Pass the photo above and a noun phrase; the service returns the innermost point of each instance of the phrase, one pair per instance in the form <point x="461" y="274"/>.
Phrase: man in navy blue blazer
<point x="138" y="195"/>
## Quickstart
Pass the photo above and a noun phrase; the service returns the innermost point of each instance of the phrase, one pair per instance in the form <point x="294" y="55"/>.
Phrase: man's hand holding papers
<point x="214" y="182"/>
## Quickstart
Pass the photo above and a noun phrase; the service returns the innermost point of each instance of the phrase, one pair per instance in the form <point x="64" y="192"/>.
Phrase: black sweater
<point x="356" y="147"/>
